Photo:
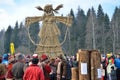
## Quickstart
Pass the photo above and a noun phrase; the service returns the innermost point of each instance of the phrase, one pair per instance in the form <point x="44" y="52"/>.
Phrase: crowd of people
<point x="34" y="67"/>
<point x="110" y="65"/>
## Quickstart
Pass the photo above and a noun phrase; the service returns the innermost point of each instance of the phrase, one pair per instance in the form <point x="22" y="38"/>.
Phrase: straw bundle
<point x="95" y="65"/>
<point x="84" y="65"/>
<point x="75" y="74"/>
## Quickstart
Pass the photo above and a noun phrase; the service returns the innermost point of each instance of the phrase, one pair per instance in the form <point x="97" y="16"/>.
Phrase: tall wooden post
<point x="95" y="65"/>
<point x="84" y="64"/>
<point x="89" y="65"/>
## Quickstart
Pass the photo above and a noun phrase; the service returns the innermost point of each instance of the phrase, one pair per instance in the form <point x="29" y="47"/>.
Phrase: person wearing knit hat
<point x="44" y="57"/>
<point x="35" y="55"/>
<point x="18" y="67"/>
<point x="34" y="72"/>
<point x="45" y="65"/>
<point x="35" y="61"/>
<point x="5" y="59"/>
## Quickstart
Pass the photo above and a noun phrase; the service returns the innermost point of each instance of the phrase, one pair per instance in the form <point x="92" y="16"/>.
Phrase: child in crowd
<point x="109" y="69"/>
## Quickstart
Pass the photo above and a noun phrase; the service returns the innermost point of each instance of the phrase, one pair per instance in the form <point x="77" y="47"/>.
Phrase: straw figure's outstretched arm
<point x="65" y="20"/>
<point x="30" y="20"/>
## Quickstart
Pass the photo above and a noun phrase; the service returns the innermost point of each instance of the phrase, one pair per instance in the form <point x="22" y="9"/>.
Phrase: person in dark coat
<point x="18" y="67"/>
<point x="113" y="74"/>
<point x="53" y="69"/>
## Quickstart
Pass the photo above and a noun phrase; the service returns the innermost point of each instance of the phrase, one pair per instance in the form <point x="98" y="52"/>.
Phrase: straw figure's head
<point x="48" y="9"/>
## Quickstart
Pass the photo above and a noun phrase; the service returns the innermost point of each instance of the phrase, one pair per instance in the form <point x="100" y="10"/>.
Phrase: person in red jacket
<point x="34" y="72"/>
<point x="9" y="74"/>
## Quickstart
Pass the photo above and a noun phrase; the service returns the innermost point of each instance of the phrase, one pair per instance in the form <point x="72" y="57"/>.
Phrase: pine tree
<point x="2" y="33"/>
<point x="73" y="37"/>
<point x="100" y="29"/>
<point x="80" y="30"/>
<point x="115" y="23"/>
<point x="15" y="39"/>
<point x="7" y="39"/>
<point x="23" y="36"/>
<point x="108" y="36"/>
<point x="90" y="29"/>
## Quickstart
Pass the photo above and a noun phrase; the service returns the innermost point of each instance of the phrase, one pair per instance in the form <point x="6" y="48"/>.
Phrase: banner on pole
<point x="12" y="49"/>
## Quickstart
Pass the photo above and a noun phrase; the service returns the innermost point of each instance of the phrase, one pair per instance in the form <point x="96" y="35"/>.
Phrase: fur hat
<point x="44" y="57"/>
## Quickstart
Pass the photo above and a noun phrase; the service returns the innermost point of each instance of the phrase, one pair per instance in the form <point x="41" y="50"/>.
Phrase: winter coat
<point x="47" y="70"/>
<point x="18" y="70"/>
<point x="117" y="63"/>
<point x="33" y="72"/>
<point x="113" y="75"/>
<point x="109" y="68"/>
<point x="2" y="71"/>
<point x="9" y="71"/>
<point x="61" y="69"/>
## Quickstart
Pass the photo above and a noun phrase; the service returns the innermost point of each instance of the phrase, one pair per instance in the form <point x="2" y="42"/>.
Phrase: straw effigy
<point x="49" y="32"/>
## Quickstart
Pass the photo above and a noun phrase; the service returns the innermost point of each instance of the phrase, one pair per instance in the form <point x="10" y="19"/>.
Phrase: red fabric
<point x="47" y="70"/>
<point x="9" y="66"/>
<point x="33" y="72"/>
<point x="106" y="61"/>
<point x="2" y="77"/>
<point x="102" y="78"/>
<point x="9" y="73"/>
<point x="112" y="60"/>
<point x="44" y="57"/>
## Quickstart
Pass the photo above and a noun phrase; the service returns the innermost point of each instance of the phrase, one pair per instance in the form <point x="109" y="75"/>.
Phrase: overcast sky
<point x="17" y="10"/>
